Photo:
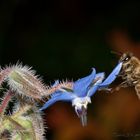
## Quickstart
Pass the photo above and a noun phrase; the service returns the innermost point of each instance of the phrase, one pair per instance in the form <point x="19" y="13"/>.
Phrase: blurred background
<point x="65" y="39"/>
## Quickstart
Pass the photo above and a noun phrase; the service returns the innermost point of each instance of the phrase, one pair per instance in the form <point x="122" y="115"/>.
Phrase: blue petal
<point x="55" y="83"/>
<point x="112" y="76"/>
<point x="81" y="85"/>
<point x="100" y="76"/>
<point x="58" y="97"/>
<point x="49" y="103"/>
<point x="96" y="83"/>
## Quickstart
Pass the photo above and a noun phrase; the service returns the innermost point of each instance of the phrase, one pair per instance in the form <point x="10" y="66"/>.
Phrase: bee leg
<point x="137" y="88"/>
<point x="106" y="89"/>
<point x="122" y="85"/>
<point x="122" y="73"/>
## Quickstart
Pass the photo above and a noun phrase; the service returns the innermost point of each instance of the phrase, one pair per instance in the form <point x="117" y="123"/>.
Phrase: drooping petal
<point x="81" y="85"/>
<point x="58" y="97"/>
<point x="96" y="83"/>
<point x="112" y="76"/>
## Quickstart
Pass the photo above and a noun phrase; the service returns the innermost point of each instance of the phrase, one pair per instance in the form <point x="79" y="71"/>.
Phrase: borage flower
<point x="80" y="91"/>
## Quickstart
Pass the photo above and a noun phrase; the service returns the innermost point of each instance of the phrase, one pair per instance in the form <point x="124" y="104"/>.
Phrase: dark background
<point x="65" y="39"/>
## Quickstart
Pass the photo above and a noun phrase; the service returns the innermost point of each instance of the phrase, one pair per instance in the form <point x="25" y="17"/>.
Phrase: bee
<point x="130" y="72"/>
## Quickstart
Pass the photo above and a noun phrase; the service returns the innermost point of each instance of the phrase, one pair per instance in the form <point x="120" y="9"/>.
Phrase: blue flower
<point x="82" y="90"/>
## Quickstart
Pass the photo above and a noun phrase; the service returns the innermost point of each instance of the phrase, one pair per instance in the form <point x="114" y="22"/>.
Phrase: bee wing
<point x="58" y="97"/>
<point x="112" y="76"/>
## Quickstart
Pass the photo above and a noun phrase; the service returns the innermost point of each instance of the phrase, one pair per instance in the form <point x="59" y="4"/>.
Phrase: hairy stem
<point x="5" y="101"/>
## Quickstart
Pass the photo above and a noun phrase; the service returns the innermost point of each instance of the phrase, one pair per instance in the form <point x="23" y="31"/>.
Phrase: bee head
<point x="126" y="57"/>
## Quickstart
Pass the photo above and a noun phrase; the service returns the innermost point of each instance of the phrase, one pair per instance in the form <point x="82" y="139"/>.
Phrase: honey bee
<point x="130" y="72"/>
